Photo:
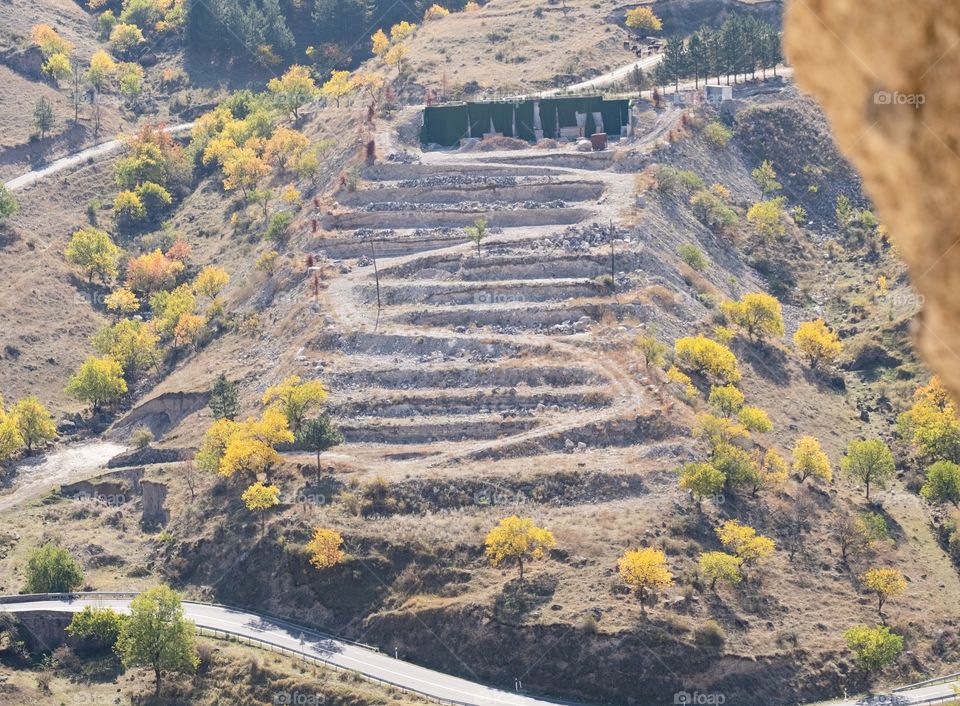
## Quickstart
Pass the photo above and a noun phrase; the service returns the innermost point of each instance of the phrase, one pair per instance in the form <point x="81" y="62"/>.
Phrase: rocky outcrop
<point x="154" y="497"/>
<point x="884" y="72"/>
<point x="148" y="456"/>
<point x="161" y="413"/>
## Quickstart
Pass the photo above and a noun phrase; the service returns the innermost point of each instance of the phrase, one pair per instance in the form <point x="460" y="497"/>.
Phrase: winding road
<point x="299" y="640"/>
<point x="104" y="149"/>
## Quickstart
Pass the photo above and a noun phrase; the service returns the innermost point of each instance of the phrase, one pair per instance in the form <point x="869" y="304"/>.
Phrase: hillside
<point x="499" y="330"/>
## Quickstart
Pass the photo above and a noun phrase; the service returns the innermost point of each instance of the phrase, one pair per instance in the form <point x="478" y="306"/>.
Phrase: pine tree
<point x="223" y="399"/>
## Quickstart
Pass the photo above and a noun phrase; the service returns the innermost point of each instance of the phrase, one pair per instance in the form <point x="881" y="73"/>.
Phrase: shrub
<point x="141" y="437"/>
<point x="51" y="569"/>
<point x="767" y="218"/>
<point x="755" y="419"/>
<point x="874" y="648"/>
<point x="709" y="634"/>
<point x="712" y="211"/>
<point x="279" y="224"/>
<point x="717" y="134"/>
<point x="693" y="256"/>
<point x="672" y="181"/>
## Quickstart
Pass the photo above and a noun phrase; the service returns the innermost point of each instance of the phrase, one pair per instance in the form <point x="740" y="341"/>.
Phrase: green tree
<point x="51" y="569"/>
<point x="766" y="178"/>
<point x="43" y="117"/>
<point x="318" y="435"/>
<point x="94" y="253"/>
<point x="8" y="204"/>
<point x="726" y="399"/>
<point x="701" y="480"/>
<point x="132" y="343"/>
<point x="767" y="218"/>
<point x="809" y="460"/>
<point x="157" y="635"/>
<point x="942" y="484"/>
<point x="98" y="381"/>
<point x="874" y="648"/>
<point x="34" y="422"/>
<point x="293" y="90"/>
<point x="869" y="462"/>
<point x="720" y="566"/>
<point x="224" y="403"/>
<point x="96" y="628"/>
<point x="477" y="232"/>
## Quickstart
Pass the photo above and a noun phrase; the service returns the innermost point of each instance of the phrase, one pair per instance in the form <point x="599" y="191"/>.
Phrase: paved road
<point x="344" y="654"/>
<point x="104" y="149"/>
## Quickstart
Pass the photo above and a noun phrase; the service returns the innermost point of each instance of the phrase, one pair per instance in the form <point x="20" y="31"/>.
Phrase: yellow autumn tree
<point x="401" y="30"/>
<point x="34" y="421"/>
<point x="644" y="570"/>
<point x="643" y="19"/>
<point x="517" y="539"/>
<point x="395" y="56"/>
<point x="259" y="498"/>
<point x="759" y="314"/>
<point x="50" y="43"/>
<point x="210" y="281"/>
<point x="379" y="42"/>
<point x="337" y="86"/>
<point x="101" y="70"/>
<point x="293" y="90"/>
<point x="702" y="355"/>
<point x="11" y="441"/>
<point x="817" y="343"/>
<point x="885" y="583"/>
<point x="435" y="12"/>
<point x="243" y="168"/>
<point x="810" y="461"/>
<point x="744" y="542"/>
<point x="285" y="147"/>
<point x="122" y="301"/>
<point x="325" y="548"/>
<point x="294" y="397"/>
<point x="931" y="424"/>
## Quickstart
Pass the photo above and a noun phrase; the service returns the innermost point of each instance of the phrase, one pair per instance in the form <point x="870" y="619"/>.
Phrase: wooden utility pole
<point x="376" y="275"/>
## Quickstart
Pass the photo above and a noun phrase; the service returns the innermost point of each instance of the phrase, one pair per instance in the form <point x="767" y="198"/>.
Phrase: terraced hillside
<point x="500" y="351"/>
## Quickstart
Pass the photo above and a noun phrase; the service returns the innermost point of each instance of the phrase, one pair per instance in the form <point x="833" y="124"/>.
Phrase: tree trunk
<point x="156" y="682"/>
<point x="521" y="569"/>
<point x="318" y="465"/>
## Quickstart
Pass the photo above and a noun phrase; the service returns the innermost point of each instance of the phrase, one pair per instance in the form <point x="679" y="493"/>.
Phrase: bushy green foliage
<point x="711" y="210"/>
<point x="51" y="569"/>
<point x="717" y="134"/>
<point x="693" y="256"/>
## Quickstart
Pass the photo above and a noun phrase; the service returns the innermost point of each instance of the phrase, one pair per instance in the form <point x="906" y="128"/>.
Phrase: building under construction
<point x="562" y="118"/>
